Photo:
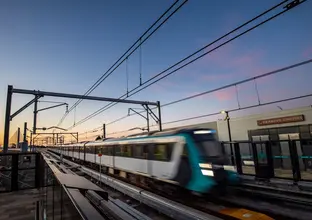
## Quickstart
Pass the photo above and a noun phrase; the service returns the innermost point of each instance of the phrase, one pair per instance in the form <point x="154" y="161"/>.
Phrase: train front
<point x="214" y="164"/>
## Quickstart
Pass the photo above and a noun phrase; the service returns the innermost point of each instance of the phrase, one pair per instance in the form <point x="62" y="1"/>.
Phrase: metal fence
<point x="22" y="171"/>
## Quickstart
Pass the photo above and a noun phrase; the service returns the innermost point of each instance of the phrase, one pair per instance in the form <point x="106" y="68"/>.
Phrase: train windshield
<point x="207" y="144"/>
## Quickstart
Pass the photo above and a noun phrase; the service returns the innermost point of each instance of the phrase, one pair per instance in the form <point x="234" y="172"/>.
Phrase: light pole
<point x="227" y="118"/>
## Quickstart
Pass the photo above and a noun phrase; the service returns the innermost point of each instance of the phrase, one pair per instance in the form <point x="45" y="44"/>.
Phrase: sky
<point x="65" y="46"/>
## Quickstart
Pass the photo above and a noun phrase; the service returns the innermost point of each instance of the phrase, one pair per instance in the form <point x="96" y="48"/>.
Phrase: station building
<point x="277" y="125"/>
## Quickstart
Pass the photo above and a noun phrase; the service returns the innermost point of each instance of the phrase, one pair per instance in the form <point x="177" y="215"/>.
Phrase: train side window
<point x="89" y="149"/>
<point x="163" y="152"/>
<point x="145" y="151"/>
<point x="169" y="150"/>
<point x="138" y="151"/>
<point x="94" y="149"/>
<point x="123" y="150"/>
<point x="118" y="150"/>
<point x="105" y="150"/>
<point x="185" y="151"/>
<point x="126" y="150"/>
<point x="99" y="149"/>
<point x="110" y="150"/>
<point x="129" y="151"/>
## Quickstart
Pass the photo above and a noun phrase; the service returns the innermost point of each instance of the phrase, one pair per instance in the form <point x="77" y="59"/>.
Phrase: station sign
<point x="281" y="120"/>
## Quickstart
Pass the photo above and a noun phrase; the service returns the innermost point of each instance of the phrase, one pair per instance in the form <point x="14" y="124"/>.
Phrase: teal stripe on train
<point x="199" y="182"/>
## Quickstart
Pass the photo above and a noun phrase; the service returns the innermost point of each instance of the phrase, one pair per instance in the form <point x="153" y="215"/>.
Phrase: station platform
<point x="19" y="204"/>
<point x="32" y="187"/>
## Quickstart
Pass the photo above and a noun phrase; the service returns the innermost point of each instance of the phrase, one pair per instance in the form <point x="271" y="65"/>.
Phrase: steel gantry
<point x="39" y="94"/>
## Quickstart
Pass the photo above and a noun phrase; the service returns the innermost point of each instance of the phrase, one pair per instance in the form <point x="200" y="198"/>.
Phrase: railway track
<point x="223" y="210"/>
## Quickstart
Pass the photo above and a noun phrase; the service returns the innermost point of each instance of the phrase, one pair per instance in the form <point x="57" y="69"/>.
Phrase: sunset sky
<point x="65" y="46"/>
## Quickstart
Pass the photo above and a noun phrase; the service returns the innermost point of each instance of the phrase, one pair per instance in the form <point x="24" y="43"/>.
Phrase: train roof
<point x="167" y="132"/>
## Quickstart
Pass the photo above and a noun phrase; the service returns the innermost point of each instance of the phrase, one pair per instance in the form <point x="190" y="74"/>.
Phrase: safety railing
<point x="286" y="159"/>
<point x="21" y="171"/>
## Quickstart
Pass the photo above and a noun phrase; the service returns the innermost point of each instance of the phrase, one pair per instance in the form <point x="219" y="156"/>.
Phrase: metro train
<point x="190" y="158"/>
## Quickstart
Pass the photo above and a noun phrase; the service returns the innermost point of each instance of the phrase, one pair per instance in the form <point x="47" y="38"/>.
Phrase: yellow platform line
<point x="244" y="214"/>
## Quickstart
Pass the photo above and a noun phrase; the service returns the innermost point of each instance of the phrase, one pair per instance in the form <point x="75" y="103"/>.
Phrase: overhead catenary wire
<point x="218" y="113"/>
<point x="191" y="61"/>
<point x="138" y="42"/>
<point x="281" y="70"/>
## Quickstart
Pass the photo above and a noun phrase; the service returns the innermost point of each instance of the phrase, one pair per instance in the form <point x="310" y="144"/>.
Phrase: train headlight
<point x="205" y="165"/>
<point x="229" y="168"/>
<point x="207" y="172"/>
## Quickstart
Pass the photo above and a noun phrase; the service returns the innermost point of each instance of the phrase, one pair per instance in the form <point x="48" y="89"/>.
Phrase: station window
<point x="288" y="130"/>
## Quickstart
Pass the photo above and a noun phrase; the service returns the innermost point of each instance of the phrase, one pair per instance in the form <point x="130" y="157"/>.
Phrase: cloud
<point x="223" y="95"/>
<point x="230" y="64"/>
<point x="307" y="53"/>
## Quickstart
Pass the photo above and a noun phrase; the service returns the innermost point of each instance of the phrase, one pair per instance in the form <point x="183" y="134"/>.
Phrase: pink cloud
<point x="308" y="52"/>
<point x="243" y="65"/>
<point x="223" y="95"/>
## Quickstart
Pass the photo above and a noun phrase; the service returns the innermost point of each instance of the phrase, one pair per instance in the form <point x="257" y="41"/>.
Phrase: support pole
<point x="31" y="139"/>
<point x="159" y="116"/>
<point x="25" y="132"/>
<point x="7" y="120"/>
<point x="18" y="137"/>
<point x="147" y="119"/>
<point x="104" y="131"/>
<point x="230" y="135"/>
<point x="35" y="116"/>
